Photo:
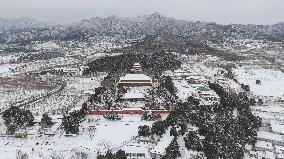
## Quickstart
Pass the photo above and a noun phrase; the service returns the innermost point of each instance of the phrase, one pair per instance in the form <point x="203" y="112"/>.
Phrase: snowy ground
<point x="96" y="134"/>
<point x="42" y="146"/>
<point x="73" y="95"/>
<point x="16" y="86"/>
<point x="272" y="129"/>
<point x="14" y="89"/>
<point x="184" y="90"/>
<point x="272" y="81"/>
<point x="99" y="134"/>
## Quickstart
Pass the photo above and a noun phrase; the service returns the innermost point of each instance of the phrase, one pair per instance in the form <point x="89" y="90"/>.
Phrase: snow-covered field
<point x="14" y="89"/>
<point x="73" y="95"/>
<point x="272" y="81"/>
<point x="16" y="85"/>
<point x="96" y="134"/>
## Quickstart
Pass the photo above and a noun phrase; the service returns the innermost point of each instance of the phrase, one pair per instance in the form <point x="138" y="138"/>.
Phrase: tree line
<point x="152" y="63"/>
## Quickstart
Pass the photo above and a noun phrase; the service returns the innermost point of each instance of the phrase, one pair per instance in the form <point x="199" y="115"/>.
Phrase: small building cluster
<point x="188" y="81"/>
<point x="136" y="87"/>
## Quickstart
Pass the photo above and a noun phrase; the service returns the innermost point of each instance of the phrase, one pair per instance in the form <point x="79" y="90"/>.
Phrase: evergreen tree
<point x="11" y="129"/>
<point x="169" y="85"/>
<point x="120" y="154"/>
<point x="45" y="120"/>
<point x="17" y="117"/>
<point x="100" y="156"/>
<point x="192" y="141"/>
<point x="85" y="109"/>
<point x="144" y="131"/>
<point x="172" y="151"/>
<point x="70" y="124"/>
<point x="173" y="132"/>
<point x="245" y="87"/>
<point x="183" y="128"/>
<point x="159" y="128"/>
<point x="109" y="155"/>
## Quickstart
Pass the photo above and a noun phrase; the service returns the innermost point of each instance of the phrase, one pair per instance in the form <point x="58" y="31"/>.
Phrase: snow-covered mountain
<point x="21" y="24"/>
<point x="153" y="24"/>
<point x="157" y="24"/>
<point x="147" y="24"/>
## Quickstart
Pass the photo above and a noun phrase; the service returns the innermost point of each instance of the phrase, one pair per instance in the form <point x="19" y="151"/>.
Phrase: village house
<point x="168" y="73"/>
<point x="65" y="70"/>
<point x="135" y="150"/>
<point x="207" y="96"/>
<point x="193" y="79"/>
<point x="264" y="146"/>
<point x="21" y="134"/>
<point x="265" y="154"/>
<point x="258" y="82"/>
<point x="209" y="100"/>
<point x="181" y="74"/>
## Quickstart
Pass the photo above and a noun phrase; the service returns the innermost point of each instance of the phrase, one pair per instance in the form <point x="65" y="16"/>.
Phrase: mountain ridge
<point x="153" y="24"/>
<point x="22" y="24"/>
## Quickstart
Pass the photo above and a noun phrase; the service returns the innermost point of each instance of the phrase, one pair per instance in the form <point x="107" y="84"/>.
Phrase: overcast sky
<point x="220" y="11"/>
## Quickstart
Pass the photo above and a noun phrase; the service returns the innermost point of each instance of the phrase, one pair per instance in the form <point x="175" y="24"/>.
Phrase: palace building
<point x="136" y="78"/>
<point x="136" y="86"/>
<point x="136" y="69"/>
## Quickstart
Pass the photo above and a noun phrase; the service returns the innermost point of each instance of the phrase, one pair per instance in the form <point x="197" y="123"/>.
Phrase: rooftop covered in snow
<point x="135" y="77"/>
<point x="135" y="80"/>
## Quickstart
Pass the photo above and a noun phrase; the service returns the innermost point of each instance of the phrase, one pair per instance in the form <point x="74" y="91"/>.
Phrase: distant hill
<point x="21" y="24"/>
<point x="153" y="24"/>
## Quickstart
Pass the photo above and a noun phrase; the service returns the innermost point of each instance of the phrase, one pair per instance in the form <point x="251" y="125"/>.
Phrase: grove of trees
<point x="16" y="118"/>
<point x="226" y="127"/>
<point x="71" y="122"/>
<point x="152" y="64"/>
